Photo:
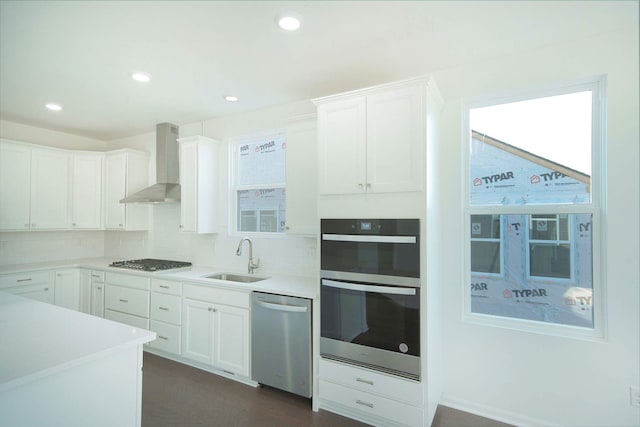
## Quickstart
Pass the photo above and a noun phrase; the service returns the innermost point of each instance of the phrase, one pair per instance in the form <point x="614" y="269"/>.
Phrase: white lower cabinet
<point x="67" y="288"/>
<point x="166" y="315"/>
<point x="369" y="396"/>
<point x="216" y="334"/>
<point x="97" y="294"/>
<point x="36" y="285"/>
<point x="126" y="299"/>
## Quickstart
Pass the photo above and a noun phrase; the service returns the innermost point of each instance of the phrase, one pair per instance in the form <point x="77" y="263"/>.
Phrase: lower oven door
<point x="371" y="325"/>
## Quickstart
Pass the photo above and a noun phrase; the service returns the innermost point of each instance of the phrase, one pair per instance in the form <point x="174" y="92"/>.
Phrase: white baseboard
<point x="493" y="413"/>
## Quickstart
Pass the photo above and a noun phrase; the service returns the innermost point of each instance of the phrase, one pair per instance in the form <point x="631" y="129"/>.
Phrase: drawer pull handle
<point x="164" y="287"/>
<point x="212" y="309"/>
<point x="164" y="308"/>
<point x="46" y="289"/>
<point x="99" y="288"/>
<point x="123" y="300"/>
<point x="24" y="280"/>
<point x="362" y="380"/>
<point x="95" y="276"/>
<point x="162" y="338"/>
<point x="367" y="404"/>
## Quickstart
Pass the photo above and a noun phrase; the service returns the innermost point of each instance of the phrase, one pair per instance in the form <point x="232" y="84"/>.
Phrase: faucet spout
<point x="251" y="266"/>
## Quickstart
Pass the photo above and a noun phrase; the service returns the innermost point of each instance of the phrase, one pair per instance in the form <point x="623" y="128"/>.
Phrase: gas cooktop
<point x="150" y="264"/>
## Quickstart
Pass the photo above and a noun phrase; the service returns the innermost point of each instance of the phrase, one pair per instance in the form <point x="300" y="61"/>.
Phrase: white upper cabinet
<point x="50" y="189"/>
<point x="34" y="187"/>
<point x="342" y="144"/>
<point x="86" y="191"/>
<point x="373" y="140"/>
<point x="126" y="171"/>
<point x="15" y="186"/>
<point x="302" y="176"/>
<point x="198" y="167"/>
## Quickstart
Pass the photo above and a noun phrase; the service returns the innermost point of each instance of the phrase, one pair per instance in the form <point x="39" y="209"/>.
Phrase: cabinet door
<point x="302" y="178"/>
<point x="197" y="328"/>
<point x="231" y="339"/>
<point x="97" y="299"/>
<point x="189" y="186"/>
<point x="114" y="188"/>
<point x="87" y="191"/>
<point x="15" y="186"/>
<point x="198" y="157"/>
<point x="39" y="292"/>
<point x="395" y="140"/>
<point x="67" y="289"/>
<point x="85" y="291"/>
<point x="50" y="189"/>
<point x="342" y="146"/>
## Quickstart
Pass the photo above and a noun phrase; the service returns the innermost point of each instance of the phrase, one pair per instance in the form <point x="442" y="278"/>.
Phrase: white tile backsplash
<point x="43" y="246"/>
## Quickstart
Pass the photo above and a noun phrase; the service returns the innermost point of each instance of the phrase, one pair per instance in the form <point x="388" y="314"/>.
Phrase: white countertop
<point x="38" y="339"/>
<point x="304" y="287"/>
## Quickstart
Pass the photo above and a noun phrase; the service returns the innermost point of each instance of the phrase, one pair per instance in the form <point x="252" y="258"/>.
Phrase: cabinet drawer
<point x="168" y="338"/>
<point x="128" y="280"/>
<point x="125" y="300"/>
<point x="370" y="405"/>
<point x="166" y="287"/>
<point x="167" y="308"/>
<point x="216" y="295"/>
<point x="127" y="319"/>
<point x="20" y="279"/>
<point x="97" y="276"/>
<point x="371" y="382"/>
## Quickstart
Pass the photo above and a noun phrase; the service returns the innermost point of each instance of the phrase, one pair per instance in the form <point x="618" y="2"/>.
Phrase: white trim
<point x="597" y="208"/>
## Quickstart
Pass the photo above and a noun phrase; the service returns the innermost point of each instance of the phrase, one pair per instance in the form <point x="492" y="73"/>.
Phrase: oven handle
<point x="369" y="288"/>
<point x="368" y="238"/>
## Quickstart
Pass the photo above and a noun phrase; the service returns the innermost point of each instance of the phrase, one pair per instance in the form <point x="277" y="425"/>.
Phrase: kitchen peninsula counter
<point x="62" y="367"/>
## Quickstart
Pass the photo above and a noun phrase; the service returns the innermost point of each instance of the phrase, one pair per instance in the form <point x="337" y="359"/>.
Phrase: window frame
<point x="235" y="186"/>
<point x="491" y="240"/>
<point x="596" y="208"/>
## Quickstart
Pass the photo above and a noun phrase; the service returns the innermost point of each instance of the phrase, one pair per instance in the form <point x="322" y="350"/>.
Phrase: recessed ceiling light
<point x="289" y="21"/>
<point x="54" y="107"/>
<point x="140" y="77"/>
<point x="231" y="98"/>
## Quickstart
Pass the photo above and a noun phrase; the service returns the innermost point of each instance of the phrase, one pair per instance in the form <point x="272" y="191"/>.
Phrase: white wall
<point x="285" y="255"/>
<point x="527" y="378"/>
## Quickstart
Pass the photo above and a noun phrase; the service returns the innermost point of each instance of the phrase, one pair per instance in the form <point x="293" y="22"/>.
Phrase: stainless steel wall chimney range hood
<point x="167" y="189"/>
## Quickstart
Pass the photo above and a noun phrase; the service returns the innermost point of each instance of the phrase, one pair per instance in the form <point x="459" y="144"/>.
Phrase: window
<point x="259" y="189"/>
<point x="533" y="194"/>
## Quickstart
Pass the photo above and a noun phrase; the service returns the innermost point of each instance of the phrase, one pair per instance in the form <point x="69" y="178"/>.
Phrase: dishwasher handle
<point x="281" y="307"/>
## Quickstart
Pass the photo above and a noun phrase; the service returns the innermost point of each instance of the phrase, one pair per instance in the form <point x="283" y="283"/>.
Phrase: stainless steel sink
<point x="235" y="277"/>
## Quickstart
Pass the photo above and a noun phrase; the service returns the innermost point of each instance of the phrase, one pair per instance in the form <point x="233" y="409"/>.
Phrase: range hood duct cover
<point x="167" y="189"/>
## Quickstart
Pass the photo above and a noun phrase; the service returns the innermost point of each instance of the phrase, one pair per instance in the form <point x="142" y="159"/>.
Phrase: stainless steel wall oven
<point x="370" y="293"/>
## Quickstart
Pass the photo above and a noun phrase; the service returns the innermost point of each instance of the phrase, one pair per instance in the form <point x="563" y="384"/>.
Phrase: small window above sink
<point x="229" y="277"/>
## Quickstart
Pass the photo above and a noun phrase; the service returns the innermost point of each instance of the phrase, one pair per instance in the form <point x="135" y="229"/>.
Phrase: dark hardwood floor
<point x="175" y="395"/>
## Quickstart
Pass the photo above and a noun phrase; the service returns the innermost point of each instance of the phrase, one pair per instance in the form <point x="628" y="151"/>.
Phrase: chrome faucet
<point x="251" y="267"/>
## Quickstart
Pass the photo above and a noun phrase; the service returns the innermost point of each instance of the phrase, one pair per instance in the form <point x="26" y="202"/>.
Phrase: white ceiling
<point x="80" y="54"/>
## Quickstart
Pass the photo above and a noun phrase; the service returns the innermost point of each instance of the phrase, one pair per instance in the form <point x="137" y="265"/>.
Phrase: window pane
<point x="485" y="226"/>
<point x="485" y="257"/>
<point x="550" y="260"/>
<point x="262" y="162"/>
<point x="532" y="152"/>
<point x="546" y="282"/>
<point x="267" y="207"/>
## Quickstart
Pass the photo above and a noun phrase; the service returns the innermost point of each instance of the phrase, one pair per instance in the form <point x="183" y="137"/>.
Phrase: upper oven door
<point x="381" y="251"/>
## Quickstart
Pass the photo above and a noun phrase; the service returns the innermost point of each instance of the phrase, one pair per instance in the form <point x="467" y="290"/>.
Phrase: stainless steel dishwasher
<point x="281" y="342"/>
